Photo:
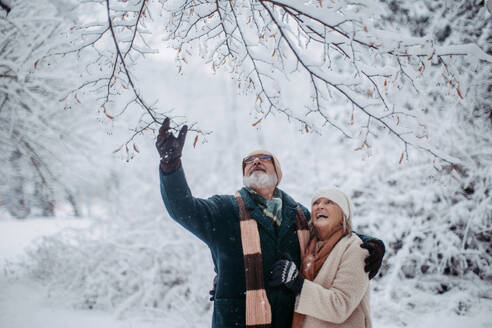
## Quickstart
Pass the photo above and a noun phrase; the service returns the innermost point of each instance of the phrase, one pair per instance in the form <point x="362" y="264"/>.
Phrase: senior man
<point x="246" y="233"/>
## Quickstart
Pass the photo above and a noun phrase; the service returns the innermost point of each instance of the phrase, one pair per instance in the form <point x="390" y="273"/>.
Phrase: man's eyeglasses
<point x="261" y="157"/>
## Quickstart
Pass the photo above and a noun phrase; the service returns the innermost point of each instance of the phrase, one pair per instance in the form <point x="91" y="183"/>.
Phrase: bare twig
<point x="122" y="60"/>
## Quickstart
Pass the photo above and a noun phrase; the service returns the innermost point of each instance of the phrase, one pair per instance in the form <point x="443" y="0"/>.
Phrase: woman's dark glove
<point x="285" y="273"/>
<point x="375" y="258"/>
<point x="170" y="147"/>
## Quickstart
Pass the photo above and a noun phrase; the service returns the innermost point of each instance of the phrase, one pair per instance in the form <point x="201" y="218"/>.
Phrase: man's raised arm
<point x="195" y="214"/>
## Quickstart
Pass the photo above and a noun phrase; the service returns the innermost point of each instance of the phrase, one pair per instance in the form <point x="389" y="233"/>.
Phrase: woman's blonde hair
<point x="347" y="225"/>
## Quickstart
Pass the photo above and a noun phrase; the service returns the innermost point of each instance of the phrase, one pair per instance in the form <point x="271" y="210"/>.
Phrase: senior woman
<point x="332" y="287"/>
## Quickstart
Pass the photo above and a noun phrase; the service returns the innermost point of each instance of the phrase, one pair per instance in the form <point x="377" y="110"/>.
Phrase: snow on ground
<point x="26" y="304"/>
<point x="437" y="320"/>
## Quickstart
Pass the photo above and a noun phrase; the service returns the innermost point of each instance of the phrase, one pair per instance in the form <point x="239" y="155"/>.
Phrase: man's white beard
<point x="260" y="180"/>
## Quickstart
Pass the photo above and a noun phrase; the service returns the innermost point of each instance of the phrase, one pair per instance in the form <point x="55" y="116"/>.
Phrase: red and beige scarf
<point x="313" y="259"/>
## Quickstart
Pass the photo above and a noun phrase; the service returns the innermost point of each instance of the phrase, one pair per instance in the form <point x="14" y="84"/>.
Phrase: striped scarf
<point x="272" y="208"/>
<point x="258" y="311"/>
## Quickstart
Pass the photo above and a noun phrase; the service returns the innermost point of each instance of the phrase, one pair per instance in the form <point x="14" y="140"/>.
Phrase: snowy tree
<point x="454" y="22"/>
<point x="439" y="215"/>
<point x="37" y="133"/>
<point x="415" y="72"/>
<point x="360" y="75"/>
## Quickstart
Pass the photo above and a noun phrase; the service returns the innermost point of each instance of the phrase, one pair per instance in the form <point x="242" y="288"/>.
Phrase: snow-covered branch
<point x="360" y="76"/>
<point x="110" y="44"/>
<point x="32" y="120"/>
<point x="337" y="50"/>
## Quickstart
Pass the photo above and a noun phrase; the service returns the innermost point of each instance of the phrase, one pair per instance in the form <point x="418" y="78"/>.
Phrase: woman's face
<point x="325" y="215"/>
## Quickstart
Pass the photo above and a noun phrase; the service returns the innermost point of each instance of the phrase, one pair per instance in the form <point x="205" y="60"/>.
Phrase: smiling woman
<point x="332" y="287"/>
<point x="335" y="291"/>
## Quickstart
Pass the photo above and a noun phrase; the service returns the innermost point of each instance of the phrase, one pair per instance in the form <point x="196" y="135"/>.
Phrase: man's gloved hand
<point x="170" y="147"/>
<point x="375" y="258"/>
<point x="285" y="272"/>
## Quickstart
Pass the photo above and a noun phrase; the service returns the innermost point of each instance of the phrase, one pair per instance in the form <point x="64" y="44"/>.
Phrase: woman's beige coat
<point x="339" y="295"/>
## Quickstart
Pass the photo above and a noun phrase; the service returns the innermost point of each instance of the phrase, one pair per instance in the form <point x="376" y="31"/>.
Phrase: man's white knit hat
<point x="337" y="196"/>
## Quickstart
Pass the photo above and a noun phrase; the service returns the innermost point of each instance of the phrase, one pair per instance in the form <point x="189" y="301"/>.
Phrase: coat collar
<point x="256" y="212"/>
<point x="289" y="213"/>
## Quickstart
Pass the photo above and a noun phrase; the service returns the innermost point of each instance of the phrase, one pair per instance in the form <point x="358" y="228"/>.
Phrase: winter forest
<point x="391" y="101"/>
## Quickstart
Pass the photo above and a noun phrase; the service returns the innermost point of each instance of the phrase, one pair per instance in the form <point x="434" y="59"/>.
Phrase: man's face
<point x="257" y="164"/>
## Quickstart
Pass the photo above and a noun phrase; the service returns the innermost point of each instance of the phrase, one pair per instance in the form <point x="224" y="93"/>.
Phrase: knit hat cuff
<point x="337" y="196"/>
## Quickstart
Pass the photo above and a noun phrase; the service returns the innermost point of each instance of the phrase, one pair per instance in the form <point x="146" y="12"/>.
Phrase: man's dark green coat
<point x="216" y="222"/>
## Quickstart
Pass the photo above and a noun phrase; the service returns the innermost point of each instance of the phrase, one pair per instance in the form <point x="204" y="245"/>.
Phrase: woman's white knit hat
<point x="337" y="196"/>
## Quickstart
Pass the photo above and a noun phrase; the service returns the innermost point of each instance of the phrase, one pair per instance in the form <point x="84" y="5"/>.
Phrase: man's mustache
<point x="258" y="168"/>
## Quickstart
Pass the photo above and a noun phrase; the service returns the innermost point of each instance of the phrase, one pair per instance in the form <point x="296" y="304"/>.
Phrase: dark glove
<point x="212" y="291"/>
<point x="285" y="273"/>
<point x="5" y="7"/>
<point x="170" y="147"/>
<point x="375" y="257"/>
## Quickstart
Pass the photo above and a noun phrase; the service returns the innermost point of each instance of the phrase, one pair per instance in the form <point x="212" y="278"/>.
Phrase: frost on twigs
<point x="108" y="45"/>
<point x="437" y="216"/>
<point x="336" y="53"/>
<point x="340" y="57"/>
<point x="36" y="133"/>
<point x="126" y="268"/>
<point x="438" y="238"/>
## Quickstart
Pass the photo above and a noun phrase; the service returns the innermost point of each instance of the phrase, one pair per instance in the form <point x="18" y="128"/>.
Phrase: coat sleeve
<point x="366" y="238"/>
<point x="195" y="214"/>
<point x="337" y="302"/>
<point x="306" y="212"/>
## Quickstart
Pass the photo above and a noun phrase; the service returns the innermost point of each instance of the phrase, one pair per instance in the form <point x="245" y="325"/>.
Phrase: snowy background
<point x="86" y="241"/>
